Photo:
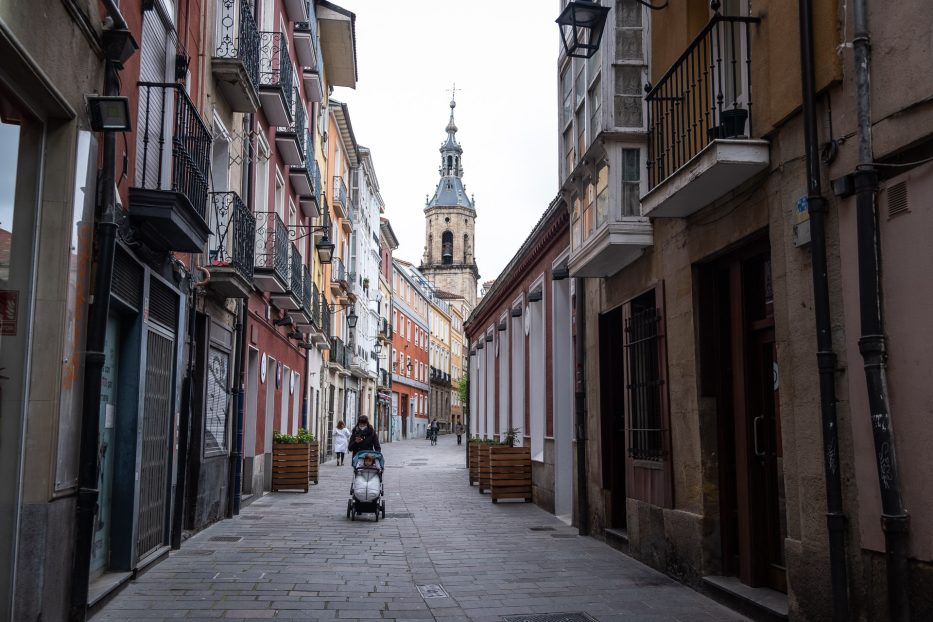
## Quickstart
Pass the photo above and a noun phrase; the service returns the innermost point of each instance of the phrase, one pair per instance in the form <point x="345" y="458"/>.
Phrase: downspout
<point x="583" y="501"/>
<point x="184" y="431"/>
<point x="106" y="238"/>
<point x="239" y="371"/>
<point x="895" y="521"/>
<point x="467" y="404"/>
<point x="825" y="357"/>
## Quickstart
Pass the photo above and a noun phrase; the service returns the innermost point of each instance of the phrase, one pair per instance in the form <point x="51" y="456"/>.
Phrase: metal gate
<point x="157" y="422"/>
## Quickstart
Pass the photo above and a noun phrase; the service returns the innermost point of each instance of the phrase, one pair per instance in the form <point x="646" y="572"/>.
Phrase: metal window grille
<point x="127" y="280"/>
<point x="163" y="305"/>
<point x="644" y="386"/>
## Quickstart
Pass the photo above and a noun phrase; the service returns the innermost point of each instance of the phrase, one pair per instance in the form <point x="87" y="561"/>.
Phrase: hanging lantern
<point x="581" y="27"/>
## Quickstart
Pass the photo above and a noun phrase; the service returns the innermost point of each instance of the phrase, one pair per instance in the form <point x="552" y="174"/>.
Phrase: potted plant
<point x="510" y="469"/>
<point x="290" y="462"/>
<point x="314" y="454"/>
<point x="485" y="445"/>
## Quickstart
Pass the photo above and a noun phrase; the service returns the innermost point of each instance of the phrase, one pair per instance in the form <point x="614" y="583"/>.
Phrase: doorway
<point x="404" y="416"/>
<point x="612" y="413"/>
<point x="249" y="423"/>
<point x="740" y="371"/>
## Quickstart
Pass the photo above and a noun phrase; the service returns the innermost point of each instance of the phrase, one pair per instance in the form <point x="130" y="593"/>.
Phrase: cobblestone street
<point x="297" y="556"/>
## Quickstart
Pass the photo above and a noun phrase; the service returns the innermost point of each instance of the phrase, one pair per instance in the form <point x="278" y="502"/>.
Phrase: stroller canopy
<point x="375" y="455"/>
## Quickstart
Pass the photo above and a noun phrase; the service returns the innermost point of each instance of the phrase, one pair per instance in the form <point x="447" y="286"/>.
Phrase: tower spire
<point x="451" y="151"/>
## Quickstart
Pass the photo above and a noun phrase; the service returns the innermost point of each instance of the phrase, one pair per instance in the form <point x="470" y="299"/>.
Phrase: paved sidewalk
<point x="297" y="556"/>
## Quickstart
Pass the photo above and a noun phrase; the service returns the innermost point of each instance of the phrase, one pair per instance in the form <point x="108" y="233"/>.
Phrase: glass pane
<point x="631" y="169"/>
<point x="630" y="199"/>
<point x="628" y="13"/>
<point x="580" y="85"/>
<point x="629" y="80"/>
<point x="628" y="112"/>
<point x="629" y="44"/>
<point x="567" y="90"/>
<point x="595" y="121"/>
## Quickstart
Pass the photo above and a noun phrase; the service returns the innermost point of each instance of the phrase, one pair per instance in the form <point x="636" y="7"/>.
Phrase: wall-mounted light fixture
<point x="581" y="27"/>
<point x="109" y="113"/>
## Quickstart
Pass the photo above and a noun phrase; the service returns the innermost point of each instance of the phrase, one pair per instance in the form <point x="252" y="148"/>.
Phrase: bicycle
<point x="433" y="435"/>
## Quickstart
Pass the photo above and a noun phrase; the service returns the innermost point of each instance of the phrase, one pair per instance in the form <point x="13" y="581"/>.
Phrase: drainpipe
<point x="826" y="357"/>
<point x="466" y="403"/>
<point x="895" y="521"/>
<point x="583" y="501"/>
<point x="105" y="237"/>
<point x="184" y="428"/>
<point x="239" y="354"/>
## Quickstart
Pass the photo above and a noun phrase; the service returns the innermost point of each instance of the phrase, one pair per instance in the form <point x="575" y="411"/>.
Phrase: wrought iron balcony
<point x="270" y="273"/>
<point x="231" y="246"/>
<point x="340" y="355"/>
<point x="385" y="329"/>
<point x="290" y="299"/>
<point x="305" y="36"/>
<point x="276" y="79"/>
<point x="338" y="273"/>
<point x="700" y="121"/>
<point x="168" y="203"/>
<point x="236" y="55"/>
<point x="340" y="196"/>
<point x="310" y="202"/>
<point x="292" y="141"/>
<point x="303" y="318"/>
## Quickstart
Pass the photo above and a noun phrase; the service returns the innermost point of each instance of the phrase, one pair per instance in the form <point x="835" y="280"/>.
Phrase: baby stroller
<point x="366" y="494"/>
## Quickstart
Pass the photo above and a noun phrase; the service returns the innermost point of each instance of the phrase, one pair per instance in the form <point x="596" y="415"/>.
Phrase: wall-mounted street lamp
<point x="352" y="318"/>
<point x="109" y="113"/>
<point x="581" y="27"/>
<point x="324" y="247"/>
<point x="325" y="250"/>
<point x="377" y="349"/>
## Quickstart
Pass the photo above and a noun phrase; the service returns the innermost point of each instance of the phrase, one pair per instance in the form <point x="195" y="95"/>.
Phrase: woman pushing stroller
<point x="363" y="437"/>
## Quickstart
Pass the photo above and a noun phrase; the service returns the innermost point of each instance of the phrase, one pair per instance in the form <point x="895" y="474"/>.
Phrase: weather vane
<point x="453" y="91"/>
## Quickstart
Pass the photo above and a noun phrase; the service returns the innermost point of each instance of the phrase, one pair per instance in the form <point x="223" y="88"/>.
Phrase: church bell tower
<point x="449" y="262"/>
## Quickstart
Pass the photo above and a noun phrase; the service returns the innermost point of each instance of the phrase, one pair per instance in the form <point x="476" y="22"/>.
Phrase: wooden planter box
<point x="314" y="460"/>
<point x="510" y="473"/>
<point x="484" y="467"/>
<point x="290" y="466"/>
<point x="474" y="462"/>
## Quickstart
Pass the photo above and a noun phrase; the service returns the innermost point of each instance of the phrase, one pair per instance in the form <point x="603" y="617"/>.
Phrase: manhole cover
<point x="563" y="535"/>
<point x="432" y="590"/>
<point x="398" y="515"/>
<point x="551" y="617"/>
<point x="541" y="528"/>
<point x="225" y="538"/>
<point x="251" y="517"/>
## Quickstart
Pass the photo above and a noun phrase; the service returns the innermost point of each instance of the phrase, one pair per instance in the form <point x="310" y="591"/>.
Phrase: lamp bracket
<point x="300" y="232"/>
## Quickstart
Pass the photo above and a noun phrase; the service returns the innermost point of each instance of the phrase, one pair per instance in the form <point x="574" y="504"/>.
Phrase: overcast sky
<point x="502" y="56"/>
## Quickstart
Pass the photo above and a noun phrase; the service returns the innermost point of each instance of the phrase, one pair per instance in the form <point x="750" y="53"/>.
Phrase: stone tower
<point x="448" y="261"/>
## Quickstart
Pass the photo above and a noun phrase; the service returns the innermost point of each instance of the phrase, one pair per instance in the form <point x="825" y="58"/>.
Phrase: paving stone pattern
<point x="296" y="556"/>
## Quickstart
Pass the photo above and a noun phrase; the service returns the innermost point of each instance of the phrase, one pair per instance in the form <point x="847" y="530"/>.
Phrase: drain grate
<point x="251" y="517"/>
<point x="551" y="617"/>
<point x="225" y="538"/>
<point x="563" y="535"/>
<point x="399" y="515"/>
<point x="541" y="528"/>
<point x="432" y="590"/>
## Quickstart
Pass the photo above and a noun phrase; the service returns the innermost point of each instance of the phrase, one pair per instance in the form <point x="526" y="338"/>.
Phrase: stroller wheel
<point x="383" y="509"/>
<point x="353" y="515"/>
<point x="377" y="515"/>
<point x="349" y="508"/>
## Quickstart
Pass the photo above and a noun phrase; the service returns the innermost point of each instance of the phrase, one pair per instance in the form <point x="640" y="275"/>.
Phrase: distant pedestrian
<point x="459" y="430"/>
<point x="363" y="437"/>
<point x="341" y="439"/>
<point x="434" y="430"/>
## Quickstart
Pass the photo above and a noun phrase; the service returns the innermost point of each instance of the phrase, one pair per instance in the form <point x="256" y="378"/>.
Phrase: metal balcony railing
<point x="237" y="36"/>
<point x="275" y="66"/>
<point x="340" y="192"/>
<point x="307" y="294"/>
<point x="315" y="304"/>
<point x="188" y="169"/>
<point x="338" y="273"/>
<point x="232" y="242"/>
<point x="705" y="95"/>
<point x="325" y="318"/>
<point x="300" y="126"/>
<point x="315" y="171"/>
<point x="295" y="277"/>
<point x="310" y="25"/>
<point x="272" y="245"/>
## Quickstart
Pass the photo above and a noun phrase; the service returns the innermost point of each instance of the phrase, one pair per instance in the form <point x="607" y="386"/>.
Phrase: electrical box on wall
<point x="802" y="224"/>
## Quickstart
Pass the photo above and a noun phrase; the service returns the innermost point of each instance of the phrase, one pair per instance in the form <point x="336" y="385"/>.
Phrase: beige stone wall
<point x="687" y="545"/>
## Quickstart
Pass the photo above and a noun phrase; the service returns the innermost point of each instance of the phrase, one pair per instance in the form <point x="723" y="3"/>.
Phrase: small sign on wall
<point x="801" y="223"/>
<point x="9" y="312"/>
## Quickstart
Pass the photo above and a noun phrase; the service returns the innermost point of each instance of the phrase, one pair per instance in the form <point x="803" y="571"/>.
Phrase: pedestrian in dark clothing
<point x="459" y="430"/>
<point x="363" y="437"/>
